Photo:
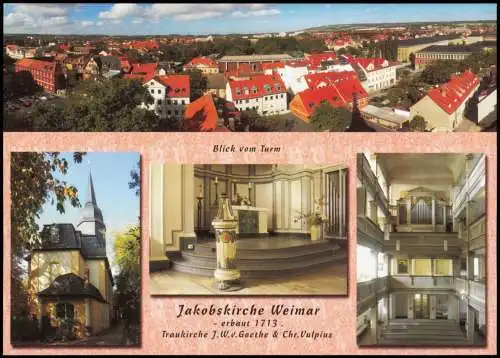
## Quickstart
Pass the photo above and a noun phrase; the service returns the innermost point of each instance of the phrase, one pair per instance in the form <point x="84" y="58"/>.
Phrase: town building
<point x="390" y="118"/>
<point x="92" y="69"/>
<point x="316" y="60"/>
<point x="421" y="260"/>
<point x="46" y="74"/>
<point x="374" y="73"/>
<point x="232" y="63"/>
<point x="412" y="46"/>
<point x="443" y="107"/>
<point x="204" y="64"/>
<point x="322" y="79"/>
<point x="447" y="52"/>
<point x="144" y="46"/>
<point x="216" y="84"/>
<point x="264" y="94"/>
<point x="170" y="96"/>
<point x="69" y="276"/>
<point x="274" y="249"/>
<point x="487" y="111"/>
<point x="19" y="52"/>
<point x="274" y="68"/>
<point x="346" y="93"/>
<point x="293" y="72"/>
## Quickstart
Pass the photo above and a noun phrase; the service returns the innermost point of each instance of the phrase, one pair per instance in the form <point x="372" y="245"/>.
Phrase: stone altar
<point x="251" y="220"/>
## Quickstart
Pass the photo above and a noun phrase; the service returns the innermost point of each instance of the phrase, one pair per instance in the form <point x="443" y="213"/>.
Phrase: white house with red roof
<point x="264" y="93"/>
<point x="170" y="94"/>
<point x="204" y="64"/>
<point x="375" y="73"/>
<point x="443" y="107"/>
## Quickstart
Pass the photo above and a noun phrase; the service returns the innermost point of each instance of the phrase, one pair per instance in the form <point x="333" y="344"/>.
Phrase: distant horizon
<point x="142" y="19"/>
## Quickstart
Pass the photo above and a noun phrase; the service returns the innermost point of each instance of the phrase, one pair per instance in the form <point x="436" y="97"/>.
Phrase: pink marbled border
<point x="320" y="148"/>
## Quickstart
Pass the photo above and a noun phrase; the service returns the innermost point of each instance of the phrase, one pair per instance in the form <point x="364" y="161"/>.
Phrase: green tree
<point x="127" y="248"/>
<point x="271" y="124"/>
<point x="198" y="84"/>
<point x="439" y="72"/>
<point x="417" y="124"/>
<point x="97" y="106"/>
<point x="327" y="118"/>
<point x="135" y="181"/>
<point x="32" y="185"/>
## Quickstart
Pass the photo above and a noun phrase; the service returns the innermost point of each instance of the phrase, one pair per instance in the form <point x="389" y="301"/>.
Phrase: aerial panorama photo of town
<point x="233" y="67"/>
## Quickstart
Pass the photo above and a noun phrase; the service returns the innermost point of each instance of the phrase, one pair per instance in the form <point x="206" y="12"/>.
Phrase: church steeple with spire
<point x="91" y="221"/>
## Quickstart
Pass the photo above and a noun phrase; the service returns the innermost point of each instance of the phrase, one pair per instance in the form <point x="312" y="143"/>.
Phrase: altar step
<point x="254" y="263"/>
<point x="423" y="333"/>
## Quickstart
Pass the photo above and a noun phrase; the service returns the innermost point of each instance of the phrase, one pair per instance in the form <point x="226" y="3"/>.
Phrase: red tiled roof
<point x="134" y="77"/>
<point x="177" y="85"/>
<point x="317" y="58"/>
<point x="298" y="63"/>
<point x="366" y="62"/>
<point x="124" y="64"/>
<point x="148" y="44"/>
<point x="205" y="61"/>
<point x="146" y="69"/>
<point x="255" y="87"/>
<point x="36" y="64"/>
<point x="452" y="94"/>
<point x="338" y="95"/>
<point x="321" y="79"/>
<point x="272" y="65"/>
<point x="201" y="115"/>
<point x="12" y="47"/>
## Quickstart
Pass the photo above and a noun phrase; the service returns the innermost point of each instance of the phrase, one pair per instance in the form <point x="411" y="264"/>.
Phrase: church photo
<point x="421" y="249"/>
<point x="75" y="249"/>
<point x="248" y="229"/>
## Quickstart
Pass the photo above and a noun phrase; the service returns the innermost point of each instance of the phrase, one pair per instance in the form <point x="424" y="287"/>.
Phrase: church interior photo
<point x="248" y="229"/>
<point x="421" y="260"/>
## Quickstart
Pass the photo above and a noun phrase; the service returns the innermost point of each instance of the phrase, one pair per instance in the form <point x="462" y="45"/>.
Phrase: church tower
<point x="91" y="221"/>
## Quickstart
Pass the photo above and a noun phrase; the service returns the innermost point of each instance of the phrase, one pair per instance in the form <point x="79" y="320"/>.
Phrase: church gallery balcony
<point x="369" y="291"/>
<point x="477" y="234"/>
<point x="476" y="291"/>
<point x="425" y="283"/>
<point x="369" y="233"/>
<point x="371" y="183"/>
<point x="470" y="186"/>
<point x="443" y="244"/>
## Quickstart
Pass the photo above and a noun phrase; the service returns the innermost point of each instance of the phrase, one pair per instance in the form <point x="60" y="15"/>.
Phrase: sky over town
<point x="203" y="19"/>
